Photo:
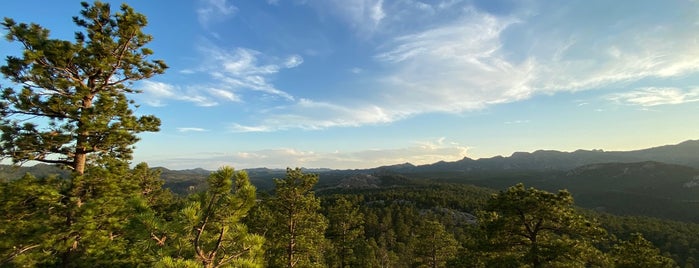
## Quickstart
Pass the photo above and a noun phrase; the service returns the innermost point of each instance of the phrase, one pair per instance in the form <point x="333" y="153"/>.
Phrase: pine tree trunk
<point x="79" y="163"/>
<point x="80" y="158"/>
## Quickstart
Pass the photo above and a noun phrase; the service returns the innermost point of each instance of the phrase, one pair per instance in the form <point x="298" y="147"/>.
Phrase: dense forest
<point x="72" y="112"/>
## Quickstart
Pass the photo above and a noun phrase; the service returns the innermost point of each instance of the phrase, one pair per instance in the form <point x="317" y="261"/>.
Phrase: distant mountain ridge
<point x="685" y="153"/>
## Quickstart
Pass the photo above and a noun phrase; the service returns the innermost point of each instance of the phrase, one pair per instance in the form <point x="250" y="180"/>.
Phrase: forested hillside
<point x="86" y="205"/>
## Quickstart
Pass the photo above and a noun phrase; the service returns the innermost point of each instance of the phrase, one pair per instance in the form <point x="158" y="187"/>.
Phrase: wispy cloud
<point x="454" y="67"/>
<point x="214" y="11"/>
<point x="158" y="94"/>
<point x="362" y="16"/>
<point x="230" y="71"/>
<point x="313" y="115"/>
<point x="466" y="59"/>
<point x="425" y="152"/>
<point x="517" y="122"/>
<point x="238" y="128"/>
<point x="191" y="129"/>
<point x="246" y="69"/>
<point x="452" y="57"/>
<point x="653" y="96"/>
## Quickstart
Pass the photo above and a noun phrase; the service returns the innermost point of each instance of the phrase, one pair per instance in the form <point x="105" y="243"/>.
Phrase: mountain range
<point x="660" y="182"/>
<point x="685" y="153"/>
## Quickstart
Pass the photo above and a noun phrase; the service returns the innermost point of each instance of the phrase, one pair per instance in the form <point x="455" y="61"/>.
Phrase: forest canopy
<point x="70" y="107"/>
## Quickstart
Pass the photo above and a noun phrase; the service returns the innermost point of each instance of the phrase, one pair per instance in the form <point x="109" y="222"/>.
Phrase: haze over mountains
<point x="685" y="153"/>
<point x="659" y="182"/>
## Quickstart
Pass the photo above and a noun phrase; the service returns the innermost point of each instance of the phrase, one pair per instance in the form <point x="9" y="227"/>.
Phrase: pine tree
<point x="72" y="102"/>
<point x="32" y="215"/>
<point x="345" y="230"/>
<point x="435" y="246"/>
<point x="530" y="227"/>
<point x="640" y="253"/>
<point x="71" y="109"/>
<point x="297" y="233"/>
<point x="214" y="233"/>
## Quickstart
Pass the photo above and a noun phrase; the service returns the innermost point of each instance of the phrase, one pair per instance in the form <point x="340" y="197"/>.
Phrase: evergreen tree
<point x="297" y="233"/>
<point x="31" y="215"/>
<point x="345" y="230"/>
<point x="71" y="109"/>
<point x="72" y="100"/>
<point x="638" y="252"/>
<point x="434" y="245"/>
<point x="214" y="233"/>
<point x="530" y="227"/>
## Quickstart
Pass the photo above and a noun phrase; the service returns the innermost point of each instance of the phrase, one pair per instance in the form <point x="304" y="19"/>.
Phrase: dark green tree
<point x="346" y="231"/>
<point x="296" y="235"/>
<point x="214" y="233"/>
<point x="434" y="245"/>
<point x="72" y="101"/>
<point x="71" y="109"/>
<point x="100" y="232"/>
<point x="31" y="210"/>
<point x="638" y="252"/>
<point x="530" y="227"/>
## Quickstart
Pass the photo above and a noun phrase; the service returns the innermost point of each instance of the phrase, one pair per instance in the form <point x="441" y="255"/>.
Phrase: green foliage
<point x="45" y="227"/>
<point x="346" y="231"/>
<point x="296" y="232"/>
<point x="529" y="227"/>
<point x="679" y="240"/>
<point x="72" y="100"/>
<point x="639" y="253"/>
<point x="211" y="231"/>
<point x="434" y="245"/>
<point x="71" y="109"/>
<point x="31" y="210"/>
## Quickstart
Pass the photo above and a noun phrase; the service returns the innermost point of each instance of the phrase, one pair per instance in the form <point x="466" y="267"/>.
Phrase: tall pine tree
<point x="72" y="98"/>
<point x="214" y="235"/>
<point x="70" y="108"/>
<point x="535" y="228"/>
<point x="296" y="237"/>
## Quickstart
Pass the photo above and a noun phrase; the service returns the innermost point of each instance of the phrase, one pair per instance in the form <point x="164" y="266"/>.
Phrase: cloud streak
<point x="191" y="129"/>
<point x="425" y="152"/>
<point x="363" y="16"/>
<point x="653" y="96"/>
<point x="157" y="94"/>
<point x="313" y="115"/>
<point x="231" y="73"/>
<point x="211" y="11"/>
<point x="246" y="69"/>
<point x="459" y="58"/>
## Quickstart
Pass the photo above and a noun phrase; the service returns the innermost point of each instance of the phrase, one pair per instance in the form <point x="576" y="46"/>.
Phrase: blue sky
<point x="363" y="83"/>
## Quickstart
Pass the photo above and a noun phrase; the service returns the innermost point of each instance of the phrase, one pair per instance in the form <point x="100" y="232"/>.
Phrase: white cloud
<point x="214" y="11"/>
<point x="238" y="128"/>
<point x="191" y="129"/>
<point x="653" y="96"/>
<point x="231" y="72"/>
<point x="454" y="67"/>
<point x="517" y="122"/>
<point x="224" y="94"/>
<point x="313" y="115"/>
<point x="463" y="58"/>
<point x="293" y="61"/>
<point x="425" y="152"/>
<point x="157" y="93"/>
<point x="376" y="12"/>
<point x="363" y="16"/>
<point x="246" y="69"/>
<point x="450" y="56"/>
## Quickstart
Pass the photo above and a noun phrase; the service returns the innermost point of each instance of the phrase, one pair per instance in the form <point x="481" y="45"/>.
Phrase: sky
<point x="351" y="84"/>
